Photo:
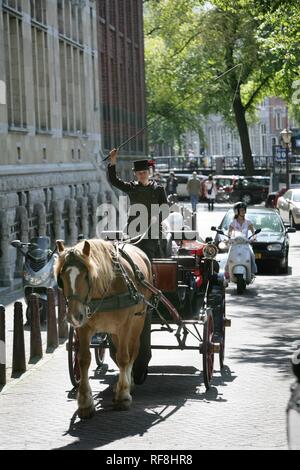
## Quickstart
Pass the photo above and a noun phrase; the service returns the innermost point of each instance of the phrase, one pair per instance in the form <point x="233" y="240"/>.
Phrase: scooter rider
<point x="242" y="225"/>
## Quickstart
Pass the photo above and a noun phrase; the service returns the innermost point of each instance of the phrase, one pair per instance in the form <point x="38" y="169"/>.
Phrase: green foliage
<point x="189" y="43"/>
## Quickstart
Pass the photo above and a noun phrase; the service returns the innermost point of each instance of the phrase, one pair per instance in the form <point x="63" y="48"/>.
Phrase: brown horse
<point x="87" y="272"/>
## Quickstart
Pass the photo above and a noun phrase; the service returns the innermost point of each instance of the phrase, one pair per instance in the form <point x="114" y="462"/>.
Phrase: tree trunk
<point x="240" y="117"/>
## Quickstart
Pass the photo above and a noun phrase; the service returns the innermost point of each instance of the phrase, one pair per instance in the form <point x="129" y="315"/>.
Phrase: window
<point x="14" y="4"/>
<point x="278" y="120"/>
<point x="72" y="87"/>
<point x="263" y="142"/>
<point x="38" y="10"/>
<point x="14" y="58"/>
<point x="71" y="54"/>
<point x="102" y="8"/>
<point x="112" y="12"/>
<point x="40" y="62"/>
<point x="288" y="195"/>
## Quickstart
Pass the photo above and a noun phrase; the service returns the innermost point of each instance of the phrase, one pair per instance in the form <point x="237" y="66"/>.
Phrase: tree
<point x="169" y="113"/>
<point x="199" y="42"/>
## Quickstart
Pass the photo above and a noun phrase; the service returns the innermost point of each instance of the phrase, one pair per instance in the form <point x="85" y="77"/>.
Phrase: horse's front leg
<point x="86" y="407"/>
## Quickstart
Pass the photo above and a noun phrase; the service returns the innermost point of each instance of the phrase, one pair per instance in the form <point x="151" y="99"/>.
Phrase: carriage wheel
<point x="222" y="346"/>
<point x="207" y="349"/>
<point x="73" y="350"/>
<point x="100" y="352"/>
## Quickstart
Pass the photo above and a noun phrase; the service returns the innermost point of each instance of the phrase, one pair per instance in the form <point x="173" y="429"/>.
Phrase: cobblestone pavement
<point x="244" y="409"/>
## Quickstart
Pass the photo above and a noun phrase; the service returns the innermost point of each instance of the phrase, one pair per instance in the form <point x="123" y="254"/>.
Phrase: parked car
<point x="272" y="198"/>
<point x="294" y="180"/>
<point x="182" y="179"/>
<point x="288" y="206"/>
<point x="271" y="247"/>
<point x="250" y="189"/>
<point x="224" y="186"/>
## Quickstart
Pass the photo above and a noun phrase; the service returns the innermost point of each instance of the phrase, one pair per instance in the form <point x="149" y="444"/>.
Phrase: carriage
<point x="187" y="300"/>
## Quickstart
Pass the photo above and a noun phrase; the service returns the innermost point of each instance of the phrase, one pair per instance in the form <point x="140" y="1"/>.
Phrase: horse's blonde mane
<point x="98" y="263"/>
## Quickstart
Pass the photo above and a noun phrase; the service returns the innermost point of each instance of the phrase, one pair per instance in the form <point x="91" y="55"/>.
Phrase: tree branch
<point x="186" y="44"/>
<point x="255" y="93"/>
<point x="157" y="28"/>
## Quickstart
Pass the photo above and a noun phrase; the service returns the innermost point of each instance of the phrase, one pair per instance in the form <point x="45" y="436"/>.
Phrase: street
<point x="244" y="409"/>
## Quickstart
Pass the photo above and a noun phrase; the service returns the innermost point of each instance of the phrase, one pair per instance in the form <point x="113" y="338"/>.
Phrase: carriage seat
<point x="165" y="274"/>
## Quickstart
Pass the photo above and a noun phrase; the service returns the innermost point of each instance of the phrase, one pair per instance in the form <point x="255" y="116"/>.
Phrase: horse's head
<point x="74" y="273"/>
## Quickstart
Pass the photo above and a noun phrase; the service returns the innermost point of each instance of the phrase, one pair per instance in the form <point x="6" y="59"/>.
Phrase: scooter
<point x="38" y="272"/>
<point x="239" y="260"/>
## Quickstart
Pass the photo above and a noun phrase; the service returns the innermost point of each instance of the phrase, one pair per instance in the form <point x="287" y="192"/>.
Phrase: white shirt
<point x="211" y="185"/>
<point x="244" y="228"/>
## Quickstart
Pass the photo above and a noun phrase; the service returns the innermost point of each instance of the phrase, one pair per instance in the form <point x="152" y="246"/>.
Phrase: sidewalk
<point x="8" y="299"/>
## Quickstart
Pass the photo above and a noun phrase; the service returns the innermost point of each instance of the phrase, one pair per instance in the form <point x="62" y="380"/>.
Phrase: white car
<point x="182" y="179"/>
<point x="288" y="206"/>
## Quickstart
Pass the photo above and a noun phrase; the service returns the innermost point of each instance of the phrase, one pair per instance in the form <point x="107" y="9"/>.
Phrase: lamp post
<point x="286" y="136"/>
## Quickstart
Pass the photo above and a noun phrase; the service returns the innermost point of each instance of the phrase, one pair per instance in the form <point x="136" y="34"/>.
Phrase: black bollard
<point x="62" y="322"/>
<point x="35" y="328"/>
<point x="52" y="336"/>
<point x="2" y="347"/>
<point x="194" y="221"/>
<point x="19" y="361"/>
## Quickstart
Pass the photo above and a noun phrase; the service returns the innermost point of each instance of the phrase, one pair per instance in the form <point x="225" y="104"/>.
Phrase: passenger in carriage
<point x="147" y="193"/>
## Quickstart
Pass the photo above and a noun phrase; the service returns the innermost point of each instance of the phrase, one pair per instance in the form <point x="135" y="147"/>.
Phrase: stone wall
<point x="56" y="200"/>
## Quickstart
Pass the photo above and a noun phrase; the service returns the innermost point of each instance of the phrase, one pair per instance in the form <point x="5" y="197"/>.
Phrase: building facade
<point x="272" y="118"/>
<point x="264" y="134"/>
<point x="122" y="75"/>
<point x="60" y="112"/>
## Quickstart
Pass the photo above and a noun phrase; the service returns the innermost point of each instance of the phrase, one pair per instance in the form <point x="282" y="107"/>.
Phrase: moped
<point x="38" y="273"/>
<point x="238" y="262"/>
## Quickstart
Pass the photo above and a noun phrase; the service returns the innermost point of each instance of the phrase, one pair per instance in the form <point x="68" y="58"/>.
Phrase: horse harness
<point x="128" y="299"/>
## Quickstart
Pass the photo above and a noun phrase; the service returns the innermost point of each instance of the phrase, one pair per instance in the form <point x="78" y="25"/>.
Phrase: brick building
<point x="71" y="87"/>
<point x="121" y="72"/>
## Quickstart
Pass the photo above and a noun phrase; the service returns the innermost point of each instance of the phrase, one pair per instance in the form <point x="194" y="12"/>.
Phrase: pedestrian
<point x="171" y="185"/>
<point x="146" y="193"/>
<point x="193" y="188"/>
<point x="210" y="192"/>
<point x="158" y="178"/>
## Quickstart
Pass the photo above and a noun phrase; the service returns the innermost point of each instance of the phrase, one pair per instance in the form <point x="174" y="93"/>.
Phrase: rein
<point x="127" y="299"/>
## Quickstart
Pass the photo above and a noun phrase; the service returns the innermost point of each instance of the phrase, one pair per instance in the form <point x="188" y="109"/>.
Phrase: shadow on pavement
<point x="272" y="307"/>
<point x="165" y="391"/>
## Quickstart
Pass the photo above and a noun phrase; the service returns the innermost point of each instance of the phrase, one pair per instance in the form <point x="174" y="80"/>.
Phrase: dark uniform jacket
<point x="139" y="194"/>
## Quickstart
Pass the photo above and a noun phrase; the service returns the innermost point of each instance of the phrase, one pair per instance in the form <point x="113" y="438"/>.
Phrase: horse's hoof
<point x="86" y="413"/>
<point x="123" y="405"/>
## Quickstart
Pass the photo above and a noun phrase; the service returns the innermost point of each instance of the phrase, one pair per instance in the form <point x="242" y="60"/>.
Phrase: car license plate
<point x="258" y="256"/>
